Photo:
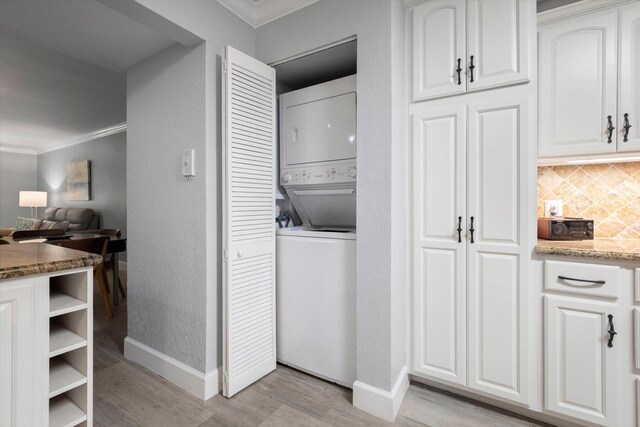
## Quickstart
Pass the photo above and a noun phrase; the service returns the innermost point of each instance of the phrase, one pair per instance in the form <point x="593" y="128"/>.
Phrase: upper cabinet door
<point x="577" y="86"/>
<point x="497" y="42"/>
<point x="438" y="49"/>
<point x="629" y="98"/>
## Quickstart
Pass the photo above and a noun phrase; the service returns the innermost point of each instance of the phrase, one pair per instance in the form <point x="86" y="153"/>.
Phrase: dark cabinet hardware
<point x="459" y="229"/>
<point x="626" y="127"/>
<point x="610" y="129"/>
<point x="459" y="70"/>
<point x="471" y="230"/>
<point x="597" y="282"/>
<point x="471" y="67"/>
<point x="612" y="332"/>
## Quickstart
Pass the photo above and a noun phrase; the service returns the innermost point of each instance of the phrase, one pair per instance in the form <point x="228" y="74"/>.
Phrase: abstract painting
<point x="79" y="180"/>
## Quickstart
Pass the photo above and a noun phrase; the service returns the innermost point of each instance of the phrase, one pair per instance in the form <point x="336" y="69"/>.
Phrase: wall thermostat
<point x="188" y="165"/>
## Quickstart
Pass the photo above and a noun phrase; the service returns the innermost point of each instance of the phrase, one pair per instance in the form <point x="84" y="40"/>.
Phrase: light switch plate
<point x="188" y="163"/>
<point x="553" y="208"/>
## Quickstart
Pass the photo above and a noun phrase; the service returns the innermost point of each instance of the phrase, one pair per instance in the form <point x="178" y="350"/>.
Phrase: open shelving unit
<point x="70" y="352"/>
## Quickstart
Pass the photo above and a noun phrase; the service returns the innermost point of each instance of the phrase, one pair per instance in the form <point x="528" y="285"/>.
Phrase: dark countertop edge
<point x="588" y="253"/>
<point x="49" y="267"/>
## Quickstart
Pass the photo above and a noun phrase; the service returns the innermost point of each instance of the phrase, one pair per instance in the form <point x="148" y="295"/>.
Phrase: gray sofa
<point x="80" y="219"/>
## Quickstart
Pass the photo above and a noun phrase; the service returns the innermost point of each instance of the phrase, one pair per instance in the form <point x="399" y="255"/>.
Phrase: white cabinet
<point x="578" y="63"/>
<point x="497" y="257"/>
<point x="629" y="110"/>
<point x="46" y="359"/>
<point x="439" y="49"/>
<point x="21" y="355"/>
<point x="439" y="199"/>
<point x="588" y="80"/>
<point x="580" y="366"/>
<point x="461" y="46"/>
<point x="471" y="159"/>
<point x="497" y="40"/>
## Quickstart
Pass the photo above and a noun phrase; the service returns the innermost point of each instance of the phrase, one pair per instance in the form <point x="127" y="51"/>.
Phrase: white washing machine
<point x="316" y="300"/>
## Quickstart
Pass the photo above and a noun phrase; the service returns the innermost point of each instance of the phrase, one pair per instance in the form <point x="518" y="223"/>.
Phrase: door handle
<point x="471" y="67"/>
<point x="459" y="70"/>
<point x="471" y="230"/>
<point x="610" y="129"/>
<point x="626" y="127"/>
<point x="459" y="229"/>
<point x="573" y="279"/>
<point x="612" y="332"/>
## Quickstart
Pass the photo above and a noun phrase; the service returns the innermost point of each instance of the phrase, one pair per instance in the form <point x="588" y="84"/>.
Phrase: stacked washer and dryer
<point x="316" y="271"/>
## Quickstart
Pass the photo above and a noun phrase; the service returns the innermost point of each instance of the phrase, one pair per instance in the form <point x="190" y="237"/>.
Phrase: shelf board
<point x="63" y="377"/>
<point x="62" y="340"/>
<point x="64" y="413"/>
<point x="61" y="303"/>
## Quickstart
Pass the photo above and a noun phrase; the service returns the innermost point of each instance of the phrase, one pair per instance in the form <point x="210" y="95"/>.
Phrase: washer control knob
<point x="352" y="172"/>
<point x="286" y="177"/>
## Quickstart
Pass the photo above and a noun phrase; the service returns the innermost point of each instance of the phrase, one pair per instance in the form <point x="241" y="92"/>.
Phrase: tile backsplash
<point x="607" y="193"/>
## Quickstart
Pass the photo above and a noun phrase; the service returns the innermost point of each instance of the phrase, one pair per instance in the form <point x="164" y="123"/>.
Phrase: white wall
<point x="173" y="103"/>
<point x="18" y="172"/>
<point x="167" y="240"/>
<point x="378" y="26"/>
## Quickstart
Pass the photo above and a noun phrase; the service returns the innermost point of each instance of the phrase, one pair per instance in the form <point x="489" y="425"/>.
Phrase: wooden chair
<point x="37" y="233"/>
<point x="4" y="242"/>
<point x="108" y="264"/>
<point x="96" y="245"/>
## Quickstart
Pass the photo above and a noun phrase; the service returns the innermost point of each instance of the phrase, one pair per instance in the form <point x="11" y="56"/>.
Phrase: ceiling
<point x="260" y="12"/>
<point x="83" y="29"/>
<point x="62" y="71"/>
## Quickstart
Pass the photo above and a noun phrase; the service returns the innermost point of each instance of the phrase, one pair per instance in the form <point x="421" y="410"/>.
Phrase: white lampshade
<point x="32" y="199"/>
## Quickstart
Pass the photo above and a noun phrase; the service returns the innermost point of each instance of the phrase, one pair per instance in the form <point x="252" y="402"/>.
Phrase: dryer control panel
<point x="313" y="175"/>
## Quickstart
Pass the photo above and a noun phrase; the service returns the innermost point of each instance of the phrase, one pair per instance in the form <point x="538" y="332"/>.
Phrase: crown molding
<point x="101" y="133"/>
<point x="260" y="12"/>
<point x="577" y="9"/>
<point x="17" y="150"/>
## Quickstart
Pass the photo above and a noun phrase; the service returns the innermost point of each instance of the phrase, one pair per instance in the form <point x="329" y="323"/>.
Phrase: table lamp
<point x="33" y="200"/>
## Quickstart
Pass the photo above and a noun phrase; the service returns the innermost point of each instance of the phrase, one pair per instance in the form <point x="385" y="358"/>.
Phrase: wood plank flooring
<point x="126" y="394"/>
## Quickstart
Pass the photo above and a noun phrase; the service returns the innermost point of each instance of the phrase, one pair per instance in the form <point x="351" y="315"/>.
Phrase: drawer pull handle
<point x="597" y="282"/>
<point x="459" y="229"/>
<point x="612" y="332"/>
<point x="459" y="70"/>
<point x="471" y="67"/>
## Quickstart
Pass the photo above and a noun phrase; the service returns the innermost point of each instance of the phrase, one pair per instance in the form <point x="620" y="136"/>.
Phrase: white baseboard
<point x="200" y="385"/>
<point x="381" y="403"/>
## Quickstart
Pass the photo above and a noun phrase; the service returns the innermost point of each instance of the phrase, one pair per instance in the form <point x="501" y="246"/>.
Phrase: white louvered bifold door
<point x="249" y="351"/>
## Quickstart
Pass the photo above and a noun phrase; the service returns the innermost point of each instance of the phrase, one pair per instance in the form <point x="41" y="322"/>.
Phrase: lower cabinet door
<point x="16" y="355"/>
<point x="580" y="365"/>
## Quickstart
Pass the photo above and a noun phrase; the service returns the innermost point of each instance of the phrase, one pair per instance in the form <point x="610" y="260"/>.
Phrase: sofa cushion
<point x="27" y="224"/>
<point x="79" y="218"/>
<point x="54" y="225"/>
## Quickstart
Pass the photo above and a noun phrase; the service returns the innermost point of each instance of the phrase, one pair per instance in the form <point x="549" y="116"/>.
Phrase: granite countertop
<point x="18" y="260"/>
<point x="624" y="250"/>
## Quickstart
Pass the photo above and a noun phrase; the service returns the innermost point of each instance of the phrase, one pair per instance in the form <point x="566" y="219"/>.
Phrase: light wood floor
<point x="126" y="394"/>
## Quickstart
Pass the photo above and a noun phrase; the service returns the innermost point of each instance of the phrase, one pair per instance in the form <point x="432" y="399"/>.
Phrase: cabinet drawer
<point x="579" y="278"/>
